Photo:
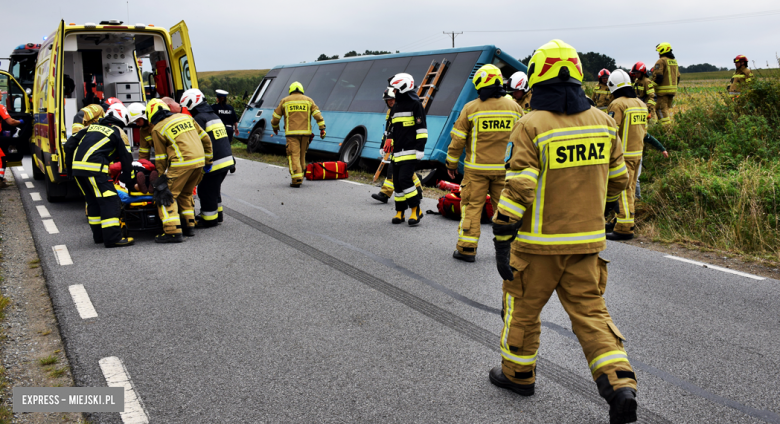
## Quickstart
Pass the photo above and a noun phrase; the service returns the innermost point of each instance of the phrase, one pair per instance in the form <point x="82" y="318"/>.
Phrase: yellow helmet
<point x="486" y="76"/>
<point x="296" y="86"/>
<point x="555" y="61"/>
<point x="155" y="105"/>
<point x="663" y="48"/>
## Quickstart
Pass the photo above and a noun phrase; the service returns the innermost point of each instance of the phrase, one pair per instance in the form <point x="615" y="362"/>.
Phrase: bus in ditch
<point x="349" y="95"/>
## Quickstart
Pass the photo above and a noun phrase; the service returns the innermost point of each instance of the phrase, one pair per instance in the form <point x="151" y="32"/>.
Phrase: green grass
<point x="726" y="75"/>
<point x="244" y="73"/>
<point x="49" y="360"/>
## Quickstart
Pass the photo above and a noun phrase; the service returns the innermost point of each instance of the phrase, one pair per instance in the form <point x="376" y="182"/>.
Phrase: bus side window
<point x="367" y="97"/>
<point x="452" y="84"/>
<point x="322" y="84"/>
<point x="347" y="85"/>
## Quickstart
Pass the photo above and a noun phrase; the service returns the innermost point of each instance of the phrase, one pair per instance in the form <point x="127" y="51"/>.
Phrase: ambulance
<point x="84" y="64"/>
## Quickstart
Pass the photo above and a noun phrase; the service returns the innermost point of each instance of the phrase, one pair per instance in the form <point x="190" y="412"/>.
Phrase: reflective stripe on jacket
<point x="667" y="69"/>
<point x="483" y="129"/>
<point x="741" y="77"/>
<point x="297" y="111"/>
<point x="631" y="117"/>
<point x="602" y="96"/>
<point x="645" y="90"/>
<point x="220" y="143"/>
<point x="179" y="142"/>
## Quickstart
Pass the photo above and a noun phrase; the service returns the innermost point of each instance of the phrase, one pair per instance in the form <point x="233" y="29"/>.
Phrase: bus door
<point x="183" y="62"/>
<point x="14" y="140"/>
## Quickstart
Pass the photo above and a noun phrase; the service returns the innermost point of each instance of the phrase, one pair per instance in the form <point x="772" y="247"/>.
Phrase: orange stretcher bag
<point x="326" y="171"/>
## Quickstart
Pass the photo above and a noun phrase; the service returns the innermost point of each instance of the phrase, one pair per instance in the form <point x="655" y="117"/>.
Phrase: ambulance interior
<point x="112" y="64"/>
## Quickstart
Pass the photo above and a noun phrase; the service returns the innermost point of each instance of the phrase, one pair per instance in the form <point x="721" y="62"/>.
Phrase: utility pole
<point x="453" y="34"/>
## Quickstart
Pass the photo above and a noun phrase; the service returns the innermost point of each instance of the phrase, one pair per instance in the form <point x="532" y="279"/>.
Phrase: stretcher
<point x="139" y="213"/>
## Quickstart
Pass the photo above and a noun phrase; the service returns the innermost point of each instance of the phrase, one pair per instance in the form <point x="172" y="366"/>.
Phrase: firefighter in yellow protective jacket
<point x="666" y="76"/>
<point x="517" y="86"/>
<point x="182" y="148"/>
<point x="567" y="159"/>
<point x="86" y="116"/>
<point x="644" y="87"/>
<point x="483" y="129"/>
<point x="388" y="187"/>
<point x="742" y="76"/>
<point x="601" y="95"/>
<point x="630" y="113"/>
<point x="297" y="110"/>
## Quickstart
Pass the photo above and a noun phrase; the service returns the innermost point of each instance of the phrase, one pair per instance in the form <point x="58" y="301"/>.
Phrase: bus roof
<point x="393" y="55"/>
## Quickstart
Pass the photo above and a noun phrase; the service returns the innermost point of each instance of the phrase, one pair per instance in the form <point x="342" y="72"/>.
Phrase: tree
<point x="526" y="60"/>
<point x="701" y="67"/>
<point x="351" y="54"/>
<point x="593" y="62"/>
<point x="326" y="57"/>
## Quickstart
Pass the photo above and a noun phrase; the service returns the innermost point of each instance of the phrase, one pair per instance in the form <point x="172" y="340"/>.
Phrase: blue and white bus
<point x="349" y="94"/>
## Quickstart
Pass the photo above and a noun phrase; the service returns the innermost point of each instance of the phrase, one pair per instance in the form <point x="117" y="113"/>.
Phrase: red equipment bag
<point x="449" y="207"/>
<point x="326" y="171"/>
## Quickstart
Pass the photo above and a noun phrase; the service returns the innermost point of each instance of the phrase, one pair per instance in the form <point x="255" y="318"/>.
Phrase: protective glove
<point x="610" y="206"/>
<point x="207" y="169"/>
<point x="322" y="134"/>
<point x="233" y="167"/>
<point x="420" y="155"/>
<point x="276" y="132"/>
<point x="21" y="122"/>
<point x="311" y="137"/>
<point x="505" y="234"/>
<point x="162" y="195"/>
<point x="388" y="145"/>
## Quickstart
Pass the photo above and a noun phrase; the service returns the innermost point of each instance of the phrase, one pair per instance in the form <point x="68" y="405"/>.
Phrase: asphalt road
<point x="308" y="305"/>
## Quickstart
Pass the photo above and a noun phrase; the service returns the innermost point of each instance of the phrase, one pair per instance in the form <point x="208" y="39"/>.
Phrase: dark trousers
<point x="406" y="194"/>
<point x="210" y="194"/>
<point x="103" y="208"/>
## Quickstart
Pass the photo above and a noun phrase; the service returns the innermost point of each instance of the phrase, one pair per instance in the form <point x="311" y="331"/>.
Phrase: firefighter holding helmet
<point x="297" y="110"/>
<point x="549" y="227"/>
<point x="666" y="76"/>
<point x="483" y="130"/>
<point x="742" y="76"/>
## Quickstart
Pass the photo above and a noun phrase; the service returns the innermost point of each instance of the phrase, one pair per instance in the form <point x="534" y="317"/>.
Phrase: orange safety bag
<point x="326" y="171"/>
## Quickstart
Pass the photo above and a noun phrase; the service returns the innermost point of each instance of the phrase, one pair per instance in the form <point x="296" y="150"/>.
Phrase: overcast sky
<point x="251" y="34"/>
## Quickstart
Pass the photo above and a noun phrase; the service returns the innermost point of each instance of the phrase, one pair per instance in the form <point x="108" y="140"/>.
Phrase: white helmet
<point x="402" y="82"/>
<point x="618" y="79"/>
<point x="136" y="111"/>
<point x="518" y="82"/>
<point x="192" y="98"/>
<point x="119" y="111"/>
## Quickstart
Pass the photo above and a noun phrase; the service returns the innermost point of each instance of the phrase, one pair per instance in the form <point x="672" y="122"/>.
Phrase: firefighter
<point x="483" y="129"/>
<point x="297" y="110"/>
<point x="666" y="76"/>
<point x="210" y="188"/>
<point x="517" y="86"/>
<point x="137" y="113"/>
<point x="86" y="116"/>
<point x="5" y="117"/>
<point x="643" y="86"/>
<point x="228" y="116"/>
<point x="387" y="188"/>
<point x="406" y="139"/>
<point x="630" y="114"/>
<point x="567" y="159"/>
<point x="601" y="95"/>
<point x="182" y="150"/>
<point x="742" y="76"/>
<point x="87" y="155"/>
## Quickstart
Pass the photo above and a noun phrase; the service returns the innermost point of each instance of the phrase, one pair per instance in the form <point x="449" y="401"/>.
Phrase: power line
<point x="673" y="22"/>
<point x="419" y="41"/>
<point x="454" y="34"/>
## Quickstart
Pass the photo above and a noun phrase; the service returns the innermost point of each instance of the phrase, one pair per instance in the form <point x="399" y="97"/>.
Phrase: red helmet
<point x="638" y="69"/>
<point x="603" y="73"/>
<point x="114" y="100"/>
<point x="740" y="58"/>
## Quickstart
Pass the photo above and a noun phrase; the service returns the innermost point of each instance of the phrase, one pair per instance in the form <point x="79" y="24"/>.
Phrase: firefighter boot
<point x="127" y="241"/>
<point x="622" y="407"/>
<point x="381" y="197"/>
<point x="168" y="238"/>
<point x="498" y="378"/>
<point x="188" y="231"/>
<point x="462" y="257"/>
<point x="619" y="236"/>
<point x="399" y="217"/>
<point x="416" y="216"/>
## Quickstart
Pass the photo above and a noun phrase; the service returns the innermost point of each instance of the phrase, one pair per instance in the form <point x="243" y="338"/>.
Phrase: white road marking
<point x="24" y="176"/>
<point x="352" y="182"/>
<point x="81" y="299"/>
<point x="718" y="268"/>
<point x="43" y="212"/>
<point x="19" y="168"/>
<point x="50" y="226"/>
<point x="35" y="196"/>
<point x="275" y="166"/>
<point x="116" y="376"/>
<point x="29" y="184"/>
<point x="62" y="255"/>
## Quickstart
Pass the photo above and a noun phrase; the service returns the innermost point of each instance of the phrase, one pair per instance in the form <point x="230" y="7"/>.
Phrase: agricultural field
<point x="243" y="73"/>
<point x="726" y="75"/>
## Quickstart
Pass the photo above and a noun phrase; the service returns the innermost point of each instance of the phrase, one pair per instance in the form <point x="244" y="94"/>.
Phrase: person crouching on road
<point x="483" y="129"/>
<point x="407" y="137"/>
<point x="182" y="149"/>
<point x="630" y="113"/>
<point x="387" y="187"/>
<point x="88" y="154"/>
<point x="210" y="188"/>
<point x="297" y="110"/>
<point x="575" y="157"/>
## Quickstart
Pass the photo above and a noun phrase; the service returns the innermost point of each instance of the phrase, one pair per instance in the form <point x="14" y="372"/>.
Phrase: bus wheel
<point x="254" y="143"/>
<point x="37" y="173"/>
<point x="429" y="176"/>
<point x="350" y="151"/>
